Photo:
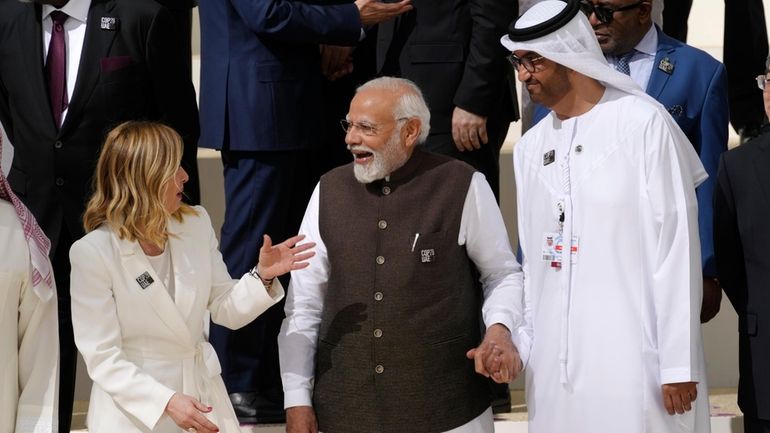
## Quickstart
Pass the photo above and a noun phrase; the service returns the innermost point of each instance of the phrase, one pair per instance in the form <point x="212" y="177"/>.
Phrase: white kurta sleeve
<point x="524" y="334"/>
<point x="98" y="338"/>
<point x="482" y="230"/>
<point x="673" y="250"/>
<point x="235" y="303"/>
<point x="38" y="363"/>
<point x="298" y="339"/>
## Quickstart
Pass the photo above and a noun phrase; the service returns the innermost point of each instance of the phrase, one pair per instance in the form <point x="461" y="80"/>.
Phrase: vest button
<point x="382" y="224"/>
<point x="378" y="296"/>
<point x="380" y="260"/>
<point x="59" y="181"/>
<point x="379" y="369"/>
<point x="385" y="190"/>
<point x="377" y="333"/>
<point x="58" y="145"/>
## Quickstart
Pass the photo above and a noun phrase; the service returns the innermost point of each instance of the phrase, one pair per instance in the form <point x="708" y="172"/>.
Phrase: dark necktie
<point x="622" y="64"/>
<point x="56" y="67"/>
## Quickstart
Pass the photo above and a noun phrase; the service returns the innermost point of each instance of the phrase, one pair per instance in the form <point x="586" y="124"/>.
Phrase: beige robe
<point x="140" y="345"/>
<point x="29" y="339"/>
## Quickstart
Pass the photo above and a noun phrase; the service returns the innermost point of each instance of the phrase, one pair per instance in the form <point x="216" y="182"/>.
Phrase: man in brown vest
<point x="383" y="332"/>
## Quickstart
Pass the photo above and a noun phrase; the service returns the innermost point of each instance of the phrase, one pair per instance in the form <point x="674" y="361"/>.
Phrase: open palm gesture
<point x="289" y="255"/>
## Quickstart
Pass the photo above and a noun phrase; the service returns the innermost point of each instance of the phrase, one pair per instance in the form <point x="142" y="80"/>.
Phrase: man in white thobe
<point x="608" y="229"/>
<point x="29" y="339"/>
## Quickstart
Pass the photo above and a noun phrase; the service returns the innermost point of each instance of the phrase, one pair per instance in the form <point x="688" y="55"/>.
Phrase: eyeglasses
<point x="366" y="128"/>
<point x="604" y="13"/>
<point x="762" y="83"/>
<point x="529" y="62"/>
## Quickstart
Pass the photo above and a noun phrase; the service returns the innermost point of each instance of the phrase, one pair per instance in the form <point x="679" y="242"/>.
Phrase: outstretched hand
<point x="289" y="255"/>
<point x="496" y="357"/>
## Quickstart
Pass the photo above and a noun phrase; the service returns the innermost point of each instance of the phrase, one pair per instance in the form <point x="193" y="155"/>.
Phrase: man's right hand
<point x="301" y="419"/>
<point x="375" y="11"/>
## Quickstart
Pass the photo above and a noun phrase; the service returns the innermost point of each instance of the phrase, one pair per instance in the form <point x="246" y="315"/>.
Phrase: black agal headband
<point x="546" y="27"/>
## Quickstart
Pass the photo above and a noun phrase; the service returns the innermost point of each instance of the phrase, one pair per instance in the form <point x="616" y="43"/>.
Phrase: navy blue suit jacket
<point x="694" y="92"/>
<point x="260" y="70"/>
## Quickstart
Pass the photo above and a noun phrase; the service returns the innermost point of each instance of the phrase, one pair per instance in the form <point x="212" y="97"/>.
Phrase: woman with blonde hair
<point x="143" y="278"/>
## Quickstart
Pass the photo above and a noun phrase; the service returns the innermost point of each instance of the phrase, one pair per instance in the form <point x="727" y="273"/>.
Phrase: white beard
<point x="383" y="163"/>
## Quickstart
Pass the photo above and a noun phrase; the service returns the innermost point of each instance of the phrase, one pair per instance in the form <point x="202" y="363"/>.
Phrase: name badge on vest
<point x="427" y="256"/>
<point x="144" y="280"/>
<point x="109" y="23"/>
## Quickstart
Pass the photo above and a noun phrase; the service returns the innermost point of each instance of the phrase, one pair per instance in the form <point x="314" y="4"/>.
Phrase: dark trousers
<point x="755" y="425"/>
<point x="486" y="159"/>
<point x="67" y="350"/>
<point x="265" y="192"/>
<point x="745" y="52"/>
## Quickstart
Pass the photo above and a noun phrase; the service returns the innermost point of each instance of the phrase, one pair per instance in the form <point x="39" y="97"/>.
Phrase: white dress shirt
<point x="75" y="34"/>
<point x="483" y="233"/>
<point x="642" y="61"/>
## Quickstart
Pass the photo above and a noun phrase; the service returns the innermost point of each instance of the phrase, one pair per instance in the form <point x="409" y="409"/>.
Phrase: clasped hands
<point x="496" y="357"/>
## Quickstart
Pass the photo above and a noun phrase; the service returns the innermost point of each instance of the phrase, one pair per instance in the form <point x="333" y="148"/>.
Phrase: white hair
<point x="410" y="104"/>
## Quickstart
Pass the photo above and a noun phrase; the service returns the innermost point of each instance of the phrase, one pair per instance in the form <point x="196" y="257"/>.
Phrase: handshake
<point x="497" y="357"/>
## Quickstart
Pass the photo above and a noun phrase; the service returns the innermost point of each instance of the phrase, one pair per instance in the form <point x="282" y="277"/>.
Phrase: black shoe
<point x="245" y="409"/>
<point x="253" y="408"/>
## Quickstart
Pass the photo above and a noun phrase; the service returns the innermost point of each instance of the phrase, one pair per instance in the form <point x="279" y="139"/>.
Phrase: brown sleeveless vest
<point x="402" y="305"/>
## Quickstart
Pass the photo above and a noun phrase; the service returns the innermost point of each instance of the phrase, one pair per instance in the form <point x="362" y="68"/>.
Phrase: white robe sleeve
<point x="98" y="338"/>
<point x="37" y="410"/>
<point x="483" y="233"/>
<point x="672" y="247"/>
<point x="235" y="303"/>
<point x="523" y="336"/>
<point x="298" y="339"/>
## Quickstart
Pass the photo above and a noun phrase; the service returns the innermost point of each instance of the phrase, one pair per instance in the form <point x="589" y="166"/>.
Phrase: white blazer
<point x="140" y="345"/>
<point x="29" y="338"/>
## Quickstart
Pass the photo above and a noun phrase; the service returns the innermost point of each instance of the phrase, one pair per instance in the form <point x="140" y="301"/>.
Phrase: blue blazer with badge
<point x="692" y="86"/>
<point x="260" y="70"/>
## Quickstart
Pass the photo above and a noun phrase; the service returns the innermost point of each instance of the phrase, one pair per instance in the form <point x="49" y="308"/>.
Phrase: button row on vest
<point x="380" y="260"/>
<point x="378" y="296"/>
<point x="386" y="190"/>
<point x="377" y="333"/>
<point x="382" y="224"/>
<point x="379" y="369"/>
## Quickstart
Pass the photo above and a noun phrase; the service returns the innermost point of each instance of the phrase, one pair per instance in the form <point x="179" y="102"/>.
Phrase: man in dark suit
<point x="741" y="237"/>
<point x="69" y="71"/>
<point x="451" y="50"/>
<point x="692" y="86"/>
<point x="744" y="52"/>
<point x="261" y="99"/>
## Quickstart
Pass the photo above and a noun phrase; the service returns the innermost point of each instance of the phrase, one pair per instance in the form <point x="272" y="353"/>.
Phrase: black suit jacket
<point x="451" y="49"/>
<point x="136" y="71"/>
<point x="741" y="241"/>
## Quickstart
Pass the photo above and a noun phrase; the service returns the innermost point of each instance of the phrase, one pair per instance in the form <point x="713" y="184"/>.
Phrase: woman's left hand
<point x="289" y="255"/>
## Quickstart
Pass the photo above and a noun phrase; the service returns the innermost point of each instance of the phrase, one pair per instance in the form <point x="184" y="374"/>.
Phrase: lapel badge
<point x="676" y="110"/>
<point x="549" y="157"/>
<point x="427" y="256"/>
<point x="109" y="23"/>
<point x="666" y="66"/>
<point x="144" y="280"/>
